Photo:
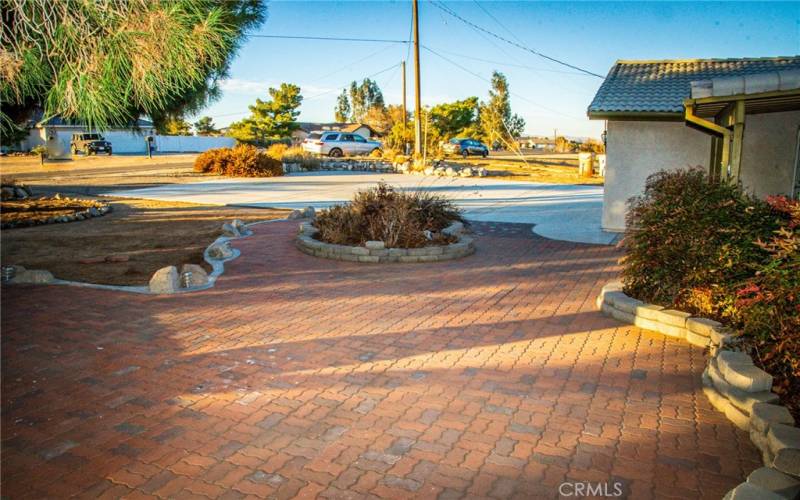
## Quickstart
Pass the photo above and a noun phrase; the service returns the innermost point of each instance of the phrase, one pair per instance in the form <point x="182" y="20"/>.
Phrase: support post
<point x="417" y="98"/>
<point x="737" y="140"/>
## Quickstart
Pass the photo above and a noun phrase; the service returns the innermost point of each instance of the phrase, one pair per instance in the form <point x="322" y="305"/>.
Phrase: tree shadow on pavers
<point x="120" y="378"/>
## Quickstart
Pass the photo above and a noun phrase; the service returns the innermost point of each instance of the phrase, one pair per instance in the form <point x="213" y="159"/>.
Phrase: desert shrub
<point x="307" y="160"/>
<point x="712" y="250"/>
<point x="240" y="161"/>
<point x="390" y="154"/>
<point x="277" y="150"/>
<point x="398" y="218"/>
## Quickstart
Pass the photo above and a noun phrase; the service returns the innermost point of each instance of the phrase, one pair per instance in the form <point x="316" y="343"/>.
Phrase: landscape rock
<point x="20" y="193"/>
<point x="454" y="229"/>
<point x="239" y="225"/>
<point x="784" y="442"/>
<point x="296" y="214"/>
<point x="7" y="193"/>
<point x="309" y="212"/>
<point x="165" y="280"/>
<point x="702" y="326"/>
<point x="94" y="212"/>
<point x="35" y="276"/>
<point x="199" y="276"/>
<point x="748" y="491"/>
<point x="763" y="415"/>
<point x="777" y="482"/>
<point x="220" y="251"/>
<point x="230" y="231"/>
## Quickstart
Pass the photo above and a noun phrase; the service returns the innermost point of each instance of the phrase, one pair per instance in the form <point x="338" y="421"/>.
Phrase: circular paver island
<point x="376" y="251"/>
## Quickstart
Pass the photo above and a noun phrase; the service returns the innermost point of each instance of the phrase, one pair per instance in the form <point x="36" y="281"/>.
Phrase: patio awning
<point x="719" y="107"/>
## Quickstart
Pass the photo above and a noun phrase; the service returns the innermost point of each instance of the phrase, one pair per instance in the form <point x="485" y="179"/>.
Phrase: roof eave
<point x="669" y="116"/>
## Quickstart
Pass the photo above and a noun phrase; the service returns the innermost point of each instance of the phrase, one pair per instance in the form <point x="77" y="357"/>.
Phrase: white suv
<point x="339" y="144"/>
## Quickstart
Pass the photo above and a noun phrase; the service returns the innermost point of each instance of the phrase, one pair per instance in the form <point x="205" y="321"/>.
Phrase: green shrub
<point x="712" y="250"/>
<point x="240" y="161"/>
<point x="690" y="241"/>
<point x="397" y="218"/>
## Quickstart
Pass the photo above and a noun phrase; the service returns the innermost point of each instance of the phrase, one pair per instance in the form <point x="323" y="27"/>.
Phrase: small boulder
<point x="20" y="193"/>
<point x="165" y="280"/>
<point x="94" y="212"/>
<point x="296" y="214"/>
<point x="466" y="172"/>
<point x="198" y="277"/>
<point x="309" y="213"/>
<point x="220" y="251"/>
<point x="239" y="225"/>
<point x="7" y="193"/>
<point x="230" y="231"/>
<point x="35" y="276"/>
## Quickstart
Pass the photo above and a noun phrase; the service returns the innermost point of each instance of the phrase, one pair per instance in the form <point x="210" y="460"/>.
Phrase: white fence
<point x="130" y="142"/>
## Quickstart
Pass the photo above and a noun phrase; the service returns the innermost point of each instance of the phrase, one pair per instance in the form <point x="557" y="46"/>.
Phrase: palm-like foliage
<point x="104" y="62"/>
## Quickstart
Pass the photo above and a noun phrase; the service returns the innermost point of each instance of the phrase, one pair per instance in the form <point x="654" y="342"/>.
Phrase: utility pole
<point x="417" y="103"/>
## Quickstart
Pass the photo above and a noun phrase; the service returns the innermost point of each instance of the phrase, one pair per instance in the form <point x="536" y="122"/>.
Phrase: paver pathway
<point x="491" y="376"/>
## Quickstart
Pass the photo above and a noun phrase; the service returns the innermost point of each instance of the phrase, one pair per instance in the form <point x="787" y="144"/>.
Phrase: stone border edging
<point x="733" y="385"/>
<point x="217" y="268"/>
<point x="375" y="251"/>
<point x="97" y="209"/>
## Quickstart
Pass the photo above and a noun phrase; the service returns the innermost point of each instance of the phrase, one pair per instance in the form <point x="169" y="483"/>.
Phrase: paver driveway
<point x="489" y="376"/>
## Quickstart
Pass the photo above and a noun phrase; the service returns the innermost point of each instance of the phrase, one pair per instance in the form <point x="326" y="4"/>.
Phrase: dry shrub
<point x="296" y="154"/>
<point x="277" y="150"/>
<point x="241" y="161"/>
<point x="397" y="218"/>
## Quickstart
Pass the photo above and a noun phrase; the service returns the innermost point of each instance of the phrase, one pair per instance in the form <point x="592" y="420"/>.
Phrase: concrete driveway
<point x="559" y="211"/>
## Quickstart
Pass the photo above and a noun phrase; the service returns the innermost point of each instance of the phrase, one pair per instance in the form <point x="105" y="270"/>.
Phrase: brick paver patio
<point x="490" y="376"/>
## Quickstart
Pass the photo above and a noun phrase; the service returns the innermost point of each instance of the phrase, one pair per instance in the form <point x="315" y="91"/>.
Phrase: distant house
<point x="306" y="128"/>
<point x="739" y="118"/>
<point x="536" y="142"/>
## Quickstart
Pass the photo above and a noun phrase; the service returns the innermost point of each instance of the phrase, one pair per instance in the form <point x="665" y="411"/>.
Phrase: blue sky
<point x="591" y="35"/>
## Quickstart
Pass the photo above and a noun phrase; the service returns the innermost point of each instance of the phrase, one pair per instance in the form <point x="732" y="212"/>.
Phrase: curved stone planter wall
<point x="375" y="252"/>
<point x="733" y="385"/>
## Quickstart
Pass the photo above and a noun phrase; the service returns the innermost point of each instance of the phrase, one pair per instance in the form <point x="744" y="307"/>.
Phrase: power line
<point x="511" y="65"/>
<point x="476" y="75"/>
<point x="510" y="42"/>
<point x="329" y="38"/>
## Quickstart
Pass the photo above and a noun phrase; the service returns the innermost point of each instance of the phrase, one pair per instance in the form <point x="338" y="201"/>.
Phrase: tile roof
<point x="661" y="86"/>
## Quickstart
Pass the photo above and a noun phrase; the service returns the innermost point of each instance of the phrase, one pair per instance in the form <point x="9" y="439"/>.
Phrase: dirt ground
<point x="151" y="234"/>
<point x="555" y="168"/>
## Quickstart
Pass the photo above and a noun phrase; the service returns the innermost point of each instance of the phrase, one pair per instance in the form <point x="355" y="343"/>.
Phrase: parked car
<point x="466" y="147"/>
<point x="89" y="144"/>
<point x="337" y="144"/>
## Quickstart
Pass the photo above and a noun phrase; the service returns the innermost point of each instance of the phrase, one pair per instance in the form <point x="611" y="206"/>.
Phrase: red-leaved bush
<point x="713" y="250"/>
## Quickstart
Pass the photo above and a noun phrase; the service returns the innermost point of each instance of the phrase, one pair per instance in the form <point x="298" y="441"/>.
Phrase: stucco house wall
<point x="636" y="149"/>
<point x="768" y="152"/>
